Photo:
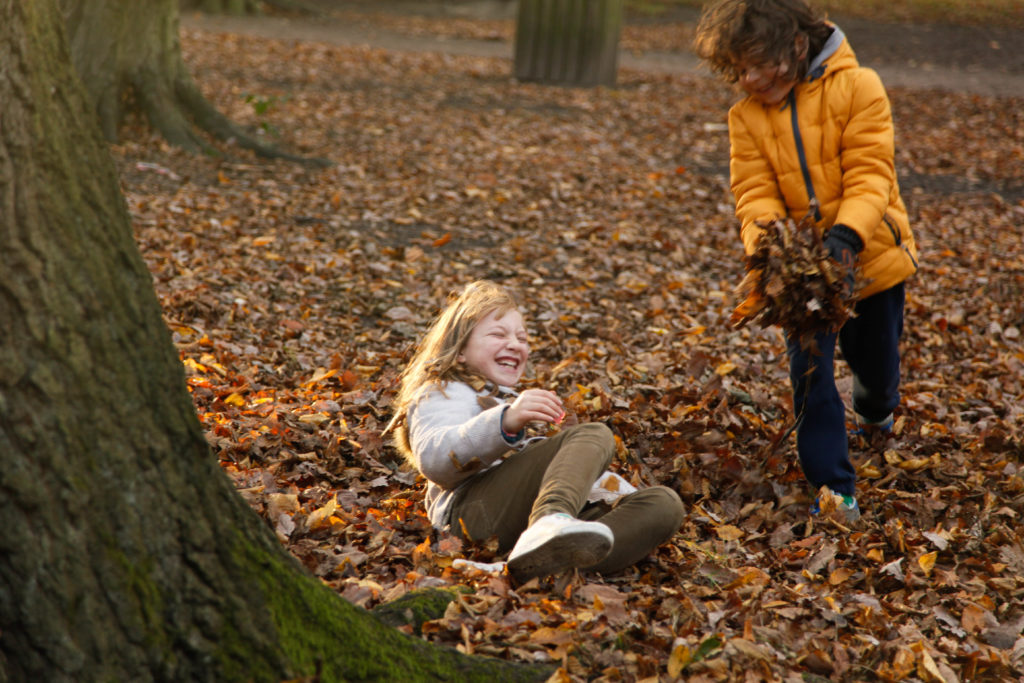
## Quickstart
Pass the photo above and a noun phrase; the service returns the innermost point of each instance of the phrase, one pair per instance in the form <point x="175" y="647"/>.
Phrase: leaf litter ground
<point x="294" y="297"/>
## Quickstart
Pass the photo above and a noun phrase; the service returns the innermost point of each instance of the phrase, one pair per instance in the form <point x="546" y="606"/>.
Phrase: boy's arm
<point x="867" y="156"/>
<point x="453" y="437"/>
<point x="753" y="182"/>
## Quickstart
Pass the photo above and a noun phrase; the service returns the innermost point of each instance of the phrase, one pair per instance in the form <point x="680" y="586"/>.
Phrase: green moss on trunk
<point x="320" y="632"/>
<point x="418" y="607"/>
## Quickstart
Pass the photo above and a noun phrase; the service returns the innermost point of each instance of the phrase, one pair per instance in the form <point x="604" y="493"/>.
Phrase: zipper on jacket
<point x="812" y="198"/>
<point x="893" y="229"/>
<point x="912" y="259"/>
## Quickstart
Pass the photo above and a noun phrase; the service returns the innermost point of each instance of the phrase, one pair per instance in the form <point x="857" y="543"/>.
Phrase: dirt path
<point x="976" y="60"/>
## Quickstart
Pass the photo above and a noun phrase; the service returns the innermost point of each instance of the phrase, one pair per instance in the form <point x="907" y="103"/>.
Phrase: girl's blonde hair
<point x="767" y="31"/>
<point x="436" y="358"/>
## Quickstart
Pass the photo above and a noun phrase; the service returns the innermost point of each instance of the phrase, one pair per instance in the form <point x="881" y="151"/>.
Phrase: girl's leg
<point x="821" y="439"/>
<point x="554" y="475"/>
<point x="870" y="345"/>
<point x="640" y="521"/>
<point x="583" y="454"/>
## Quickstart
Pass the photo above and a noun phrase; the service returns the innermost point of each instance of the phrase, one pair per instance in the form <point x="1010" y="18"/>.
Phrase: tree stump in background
<point x="568" y="42"/>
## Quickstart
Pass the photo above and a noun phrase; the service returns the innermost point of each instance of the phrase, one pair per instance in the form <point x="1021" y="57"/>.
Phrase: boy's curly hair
<point x="765" y="31"/>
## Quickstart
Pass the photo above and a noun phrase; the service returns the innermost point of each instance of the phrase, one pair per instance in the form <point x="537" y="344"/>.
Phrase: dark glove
<point x="843" y="245"/>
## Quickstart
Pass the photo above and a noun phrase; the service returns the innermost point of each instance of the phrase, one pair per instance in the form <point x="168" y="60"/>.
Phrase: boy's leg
<point x="870" y="345"/>
<point x="502" y="501"/>
<point x="640" y="521"/>
<point x="821" y="439"/>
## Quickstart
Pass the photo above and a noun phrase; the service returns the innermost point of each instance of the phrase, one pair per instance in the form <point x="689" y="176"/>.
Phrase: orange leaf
<point x="728" y="532"/>
<point x="320" y="375"/>
<point x="725" y="368"/>
<point x="927" y="562"/>
<point x="321" y="516"/>
<point x="750" y="575"/>
<point x="679" y="659"/>
<point x="443" y="240"/>
<point x="422" y="553"/>
<point x="235" y="399"/>
<point x="747" y="309"/>
<point x="839" y="575"/>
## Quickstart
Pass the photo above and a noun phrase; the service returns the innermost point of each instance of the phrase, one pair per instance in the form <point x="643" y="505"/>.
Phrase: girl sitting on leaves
<point x="462" y="424"/>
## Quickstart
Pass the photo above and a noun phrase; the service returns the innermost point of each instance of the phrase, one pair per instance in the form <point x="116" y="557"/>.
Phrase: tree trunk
<point x="128" y="54"/>
<point x="568" y="42"/>
<point x="126" y="554"/>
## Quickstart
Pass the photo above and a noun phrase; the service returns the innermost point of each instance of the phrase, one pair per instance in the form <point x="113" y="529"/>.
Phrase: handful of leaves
<point x="792" y="282"/>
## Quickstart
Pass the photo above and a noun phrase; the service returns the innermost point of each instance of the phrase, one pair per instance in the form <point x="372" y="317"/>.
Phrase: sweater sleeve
<point x="453" y="436"/>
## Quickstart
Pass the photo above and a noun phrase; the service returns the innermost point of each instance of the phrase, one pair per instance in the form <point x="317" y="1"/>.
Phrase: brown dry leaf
<point x="975" y="619"/>
<point x="322" y="515"/>
<point x="792" y="282"/>
<point x="547" y="635"/>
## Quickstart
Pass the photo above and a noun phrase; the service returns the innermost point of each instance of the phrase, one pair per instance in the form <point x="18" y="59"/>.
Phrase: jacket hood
<point x="835" y="55"/>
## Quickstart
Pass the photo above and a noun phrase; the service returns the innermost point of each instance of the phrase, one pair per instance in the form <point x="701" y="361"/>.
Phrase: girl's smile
<point x="497" y="348"/>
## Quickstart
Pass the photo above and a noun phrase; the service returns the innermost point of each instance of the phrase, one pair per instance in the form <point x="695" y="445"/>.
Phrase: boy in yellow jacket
<point x="814" y="136"/>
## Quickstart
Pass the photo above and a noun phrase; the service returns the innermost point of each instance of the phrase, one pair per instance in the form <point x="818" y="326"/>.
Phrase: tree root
<point x="177" y="112"/>
<point x="212" y="121"/>
<point x="148" y="75"/>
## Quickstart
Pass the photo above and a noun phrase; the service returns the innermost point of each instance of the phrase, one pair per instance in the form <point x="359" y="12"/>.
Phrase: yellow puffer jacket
<point x="832" y="140"/>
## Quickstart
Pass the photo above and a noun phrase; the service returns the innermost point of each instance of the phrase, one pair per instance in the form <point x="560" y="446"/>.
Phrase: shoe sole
<point x="561" y="553"/>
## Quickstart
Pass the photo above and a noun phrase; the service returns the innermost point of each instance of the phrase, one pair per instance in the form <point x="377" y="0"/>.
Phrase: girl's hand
<point x="533" y="405"/>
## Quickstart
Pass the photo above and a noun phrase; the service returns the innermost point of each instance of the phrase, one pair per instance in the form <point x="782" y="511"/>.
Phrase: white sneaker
<point x="556" y="543"/>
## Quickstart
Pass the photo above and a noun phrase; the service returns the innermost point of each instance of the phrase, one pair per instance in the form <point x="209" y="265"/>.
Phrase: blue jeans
<point x="869" y="343"/>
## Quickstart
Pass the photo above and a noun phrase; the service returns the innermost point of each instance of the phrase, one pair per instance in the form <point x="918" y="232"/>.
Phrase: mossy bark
<point x="418" y="607"/>
<point x="127" y="555"/>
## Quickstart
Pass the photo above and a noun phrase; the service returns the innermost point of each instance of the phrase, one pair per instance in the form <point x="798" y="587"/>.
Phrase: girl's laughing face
<point x="497" y="348"/>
